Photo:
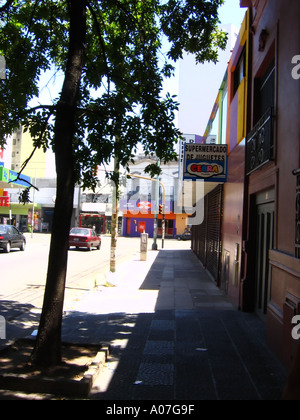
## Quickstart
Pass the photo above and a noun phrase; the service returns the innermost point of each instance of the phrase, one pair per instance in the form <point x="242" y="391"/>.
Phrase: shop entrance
<point x="264" y="243"/>
<point x="96" y="221"/>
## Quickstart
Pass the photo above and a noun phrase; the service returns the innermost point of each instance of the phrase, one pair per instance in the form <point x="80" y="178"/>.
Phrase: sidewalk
<point x="173" y="335"/>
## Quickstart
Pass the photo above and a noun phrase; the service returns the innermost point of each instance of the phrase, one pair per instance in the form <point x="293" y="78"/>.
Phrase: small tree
<point x="110" y="54"/>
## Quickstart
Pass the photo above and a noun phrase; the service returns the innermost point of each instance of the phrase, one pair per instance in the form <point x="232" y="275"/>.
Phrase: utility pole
<point x="155" y="223"/>
<point x="163" y="226"/>
<point x="114" y="216"/>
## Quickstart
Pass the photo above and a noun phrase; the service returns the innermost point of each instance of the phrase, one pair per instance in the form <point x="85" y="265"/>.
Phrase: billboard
<point x="207" y="162"/>
<point x="7" y="176"/>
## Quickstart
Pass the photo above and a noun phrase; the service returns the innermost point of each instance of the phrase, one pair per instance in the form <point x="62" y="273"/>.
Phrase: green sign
<point x="9" y="176"/>
<point x="4" y="174"/>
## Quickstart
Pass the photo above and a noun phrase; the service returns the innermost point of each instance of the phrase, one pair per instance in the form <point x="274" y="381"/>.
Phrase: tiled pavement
<point x="174" y="336"/>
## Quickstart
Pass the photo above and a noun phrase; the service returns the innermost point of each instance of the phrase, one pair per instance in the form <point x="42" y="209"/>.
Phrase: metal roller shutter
<point x="206" y="239"/>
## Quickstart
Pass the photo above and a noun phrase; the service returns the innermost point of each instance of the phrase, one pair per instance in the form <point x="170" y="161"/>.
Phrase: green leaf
<point x="120" y="95"/>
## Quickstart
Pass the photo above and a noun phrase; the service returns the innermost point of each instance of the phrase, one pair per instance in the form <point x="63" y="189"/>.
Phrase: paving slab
<point x="173" y="335"/>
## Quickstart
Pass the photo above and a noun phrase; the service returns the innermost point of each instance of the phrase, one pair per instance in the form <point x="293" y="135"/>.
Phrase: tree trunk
<point x="114" y="217"/>
<point x="47" y="351"/>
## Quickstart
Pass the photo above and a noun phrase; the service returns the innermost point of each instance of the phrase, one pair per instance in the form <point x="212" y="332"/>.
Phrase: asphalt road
<point x="23" y="274"/>
<point x="23" y="277"/>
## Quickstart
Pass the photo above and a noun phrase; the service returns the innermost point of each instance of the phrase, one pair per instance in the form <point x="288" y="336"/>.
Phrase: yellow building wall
<point x="36" y="167"/>
<point x="181" y="223"/>
<point x="241" y="128"/>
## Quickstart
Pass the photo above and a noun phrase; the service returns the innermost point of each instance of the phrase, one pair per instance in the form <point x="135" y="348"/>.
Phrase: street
<point x="23" y="274"/>
<point x="173" y="335"/>
<point x="23" y="277"/>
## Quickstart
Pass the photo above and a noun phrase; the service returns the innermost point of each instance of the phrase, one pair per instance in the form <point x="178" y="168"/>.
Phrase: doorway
<point x="265" y="210"/>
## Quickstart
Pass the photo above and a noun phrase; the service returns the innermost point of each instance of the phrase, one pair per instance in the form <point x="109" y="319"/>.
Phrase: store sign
<point x="205" y="161"/>
<point x="6" y="175"/>
<point x="144" y="205"/>
<point x="204" y="169"/>
<point x="4" y="200"/>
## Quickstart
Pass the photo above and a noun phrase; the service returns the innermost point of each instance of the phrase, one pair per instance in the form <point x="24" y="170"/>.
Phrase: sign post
<point x="144" y="246"/>
<point x="2" y="328"/>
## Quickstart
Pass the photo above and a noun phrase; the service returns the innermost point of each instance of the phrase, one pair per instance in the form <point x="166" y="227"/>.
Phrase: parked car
<point x="11" y="237"/>
<point x="84" y="238"/>
<point x="184" y="236"/>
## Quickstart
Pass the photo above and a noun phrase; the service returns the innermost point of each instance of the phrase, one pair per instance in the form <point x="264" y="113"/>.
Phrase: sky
<point x="229" y="12"/>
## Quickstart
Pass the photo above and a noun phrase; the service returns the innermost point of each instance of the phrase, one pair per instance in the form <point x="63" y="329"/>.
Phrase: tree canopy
<point x="120" y="91"/>
<point x="110" y="53"/>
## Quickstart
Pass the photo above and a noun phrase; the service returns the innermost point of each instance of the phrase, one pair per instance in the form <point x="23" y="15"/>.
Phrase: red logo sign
<point x="4" y="201"/>
<point x="144" y="205"/>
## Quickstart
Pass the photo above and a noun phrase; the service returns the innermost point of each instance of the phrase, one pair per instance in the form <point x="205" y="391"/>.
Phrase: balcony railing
<point x="260" y="145"/>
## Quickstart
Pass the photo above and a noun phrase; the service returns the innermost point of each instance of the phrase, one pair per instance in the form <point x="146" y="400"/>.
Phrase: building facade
<point x="259" y="220"/>
<point x="22" y="148"/>
<point x="140" y="197"/>
<point x="272" y="274"/>
<point x="89" y="208"/>
<point x="11" y="184"/>
<point x="196" y="99"/>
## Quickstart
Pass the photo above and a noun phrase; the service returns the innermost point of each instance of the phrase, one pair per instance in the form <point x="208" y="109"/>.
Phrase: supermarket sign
<point x="9" y="176"/>
<point x="207" y="162"/>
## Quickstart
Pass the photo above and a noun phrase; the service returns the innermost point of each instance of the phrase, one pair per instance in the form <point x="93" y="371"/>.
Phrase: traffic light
<point x="160" y="209"/>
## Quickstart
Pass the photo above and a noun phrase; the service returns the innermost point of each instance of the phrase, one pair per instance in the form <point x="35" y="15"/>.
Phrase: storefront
<point x="93" y="215"/>
<point x="139" y="218"/>
<point x="207" y="164"/>
<point x="14" y="212"/>
<point x="93" y="220"/>
<point x="134" y="225"/>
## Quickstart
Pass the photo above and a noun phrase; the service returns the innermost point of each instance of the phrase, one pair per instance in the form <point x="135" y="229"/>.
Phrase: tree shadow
<point x="125" y="334"/>
<point x="171" y="354"/>
<point x="198" y="359"/>
<point x="20" y="320"/>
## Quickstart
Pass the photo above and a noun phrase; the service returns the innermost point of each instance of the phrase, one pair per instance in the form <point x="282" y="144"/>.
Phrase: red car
<point x="84" y="238"/>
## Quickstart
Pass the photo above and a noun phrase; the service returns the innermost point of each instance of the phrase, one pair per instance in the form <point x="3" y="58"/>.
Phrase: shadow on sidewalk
<point x="181" y="355"/>
<point x="20" y="320"/>
<point x="183" y="283"/>
<point x="194" y="352"/>
<point x="203" y="353"/>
